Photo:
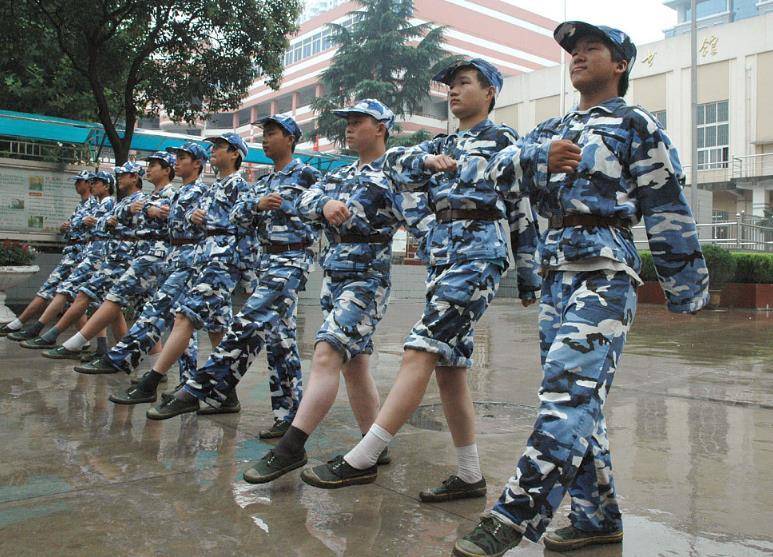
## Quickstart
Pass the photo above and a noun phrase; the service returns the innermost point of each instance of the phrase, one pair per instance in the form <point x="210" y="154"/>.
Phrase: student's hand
<point x="199" y="216"/>
<point x="527" y="303"/>
<point x="335" y="212"/>
<point x="89" y="221"/>
<point x="65" y="226"/>
<point x="112" y="221"/>
<point x="440" y="163"/>
<point x="564" y="157"/>
<point x="163" y="212"/>
<point x="270" y="202"/>
<point x="154" y="212"/>
<point x="137" y="206"/>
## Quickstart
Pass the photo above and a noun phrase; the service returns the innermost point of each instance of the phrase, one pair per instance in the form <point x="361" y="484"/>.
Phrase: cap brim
<point x="569" y="32"/>
<point x="344" y="112"/>
<point x="215" y="138"/>
<point x="444" y="76"/>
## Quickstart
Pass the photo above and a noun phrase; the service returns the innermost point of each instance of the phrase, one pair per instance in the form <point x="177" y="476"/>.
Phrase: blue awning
<point x="45" y="128"/>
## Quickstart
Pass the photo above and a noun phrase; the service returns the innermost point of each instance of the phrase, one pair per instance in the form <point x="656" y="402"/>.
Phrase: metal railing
<point x="746" y="233"/>
<point x="752" y="166"/>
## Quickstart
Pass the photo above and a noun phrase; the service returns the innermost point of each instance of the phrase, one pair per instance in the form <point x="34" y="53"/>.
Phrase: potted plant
<point x="721" y="265"/>
<point x="15" y="267"/>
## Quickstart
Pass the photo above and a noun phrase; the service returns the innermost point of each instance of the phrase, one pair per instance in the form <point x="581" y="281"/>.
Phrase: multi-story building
<point x="516" y="40"/>
<point x="735" y="122"/>
<point x="714" y="12"/>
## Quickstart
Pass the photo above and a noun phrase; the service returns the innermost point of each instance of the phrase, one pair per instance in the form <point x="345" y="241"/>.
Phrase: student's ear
<point x="622" y="66"/>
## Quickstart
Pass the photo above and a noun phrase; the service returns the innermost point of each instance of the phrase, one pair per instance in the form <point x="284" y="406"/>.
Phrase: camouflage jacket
<point x="376" y="208"/>
<point x="121" y="246"/>
<point x="223" y="246"/>
<point x="179" y="227"/>
<point x="285" y="225"/>
<point x="629" y="171"/>
<point x="100" y="233"/>
<point x="465" y="240"/>
<point x="147" y="232"/>
<point x="77" y="232"/>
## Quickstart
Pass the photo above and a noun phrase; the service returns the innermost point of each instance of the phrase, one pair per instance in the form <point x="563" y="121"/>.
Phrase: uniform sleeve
<point x="404" y="166"/>
<point x="312" y="201"/>
<point x="671" y="231"/>
<point x="123" y="214"/>
<point x="524" y="240"/>
<point x="245" y="210"/>
<point x="522" y="168"/>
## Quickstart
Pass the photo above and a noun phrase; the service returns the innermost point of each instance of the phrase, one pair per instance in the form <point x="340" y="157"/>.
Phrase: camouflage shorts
<point x="101" y="282"/>
<point x="208" y="301"/>
<point x="86" y="269"/>
<point x="143" y="275"/>
<point x="70" y="258"/>
<point x="352" y="305"/>
<point x="457" y="296"/>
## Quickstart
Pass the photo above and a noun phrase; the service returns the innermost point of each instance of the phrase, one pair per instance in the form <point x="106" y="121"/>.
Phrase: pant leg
<point x="275" y="296"/>
<point x="156" y="316"/>
<point x="68" y="263"/>
<point x="284" y="366"/>
<point x="596" y="310"/>
<point x="187" y="363"/>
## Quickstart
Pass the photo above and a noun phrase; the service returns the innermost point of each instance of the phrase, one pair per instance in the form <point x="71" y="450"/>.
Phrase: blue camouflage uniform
<point x="357" y="260"/>
<point x="268" y="317"/>
<point x="95" y="252"/>
<point x="467" y="249"/>
<point x="77" y="237"/>
<point x="157" y="314"/>
<point x="629" y="171"/>
<point x="119" y="250"/>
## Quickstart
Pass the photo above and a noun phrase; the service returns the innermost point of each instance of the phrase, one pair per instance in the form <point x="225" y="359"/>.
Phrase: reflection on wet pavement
<point x="690" y="418"/>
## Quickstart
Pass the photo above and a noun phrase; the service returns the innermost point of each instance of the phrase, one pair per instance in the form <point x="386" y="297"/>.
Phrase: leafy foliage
<point x="376" y="59"/>
<point x="14" y="253"/>
<point x="133" y="57"/>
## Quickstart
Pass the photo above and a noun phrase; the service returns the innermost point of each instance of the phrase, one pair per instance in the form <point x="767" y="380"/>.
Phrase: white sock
<point x="468" y="464"/>
<point x="365" y="453"/>
<point x="75" y="342"/>
<point x="15" y="325"/>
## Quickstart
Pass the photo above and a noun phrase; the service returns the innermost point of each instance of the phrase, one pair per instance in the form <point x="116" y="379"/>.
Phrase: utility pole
<point x="694" y="108"/>
<point x="562" y="100"/>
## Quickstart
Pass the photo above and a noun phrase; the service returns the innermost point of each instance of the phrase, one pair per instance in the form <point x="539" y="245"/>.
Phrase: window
<point x="223" y="120"/>
<point x="707" y="8"/>
<point x="306" y="95"/>
<point x="713" y="135"/>
<point x="319" y="42"/>
<point x="660" y="116"/>
<point x="244" y="116"/>
<point x="284" y="104"/>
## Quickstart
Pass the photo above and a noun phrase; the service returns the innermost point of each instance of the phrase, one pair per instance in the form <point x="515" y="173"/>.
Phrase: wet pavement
<point x="690" y="419"/>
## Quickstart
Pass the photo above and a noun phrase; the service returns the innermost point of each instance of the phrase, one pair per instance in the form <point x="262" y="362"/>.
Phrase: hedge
<point x="753" y="268"/>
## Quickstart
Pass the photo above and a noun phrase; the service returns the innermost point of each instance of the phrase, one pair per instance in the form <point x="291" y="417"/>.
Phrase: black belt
<point x="154" y="238"/>
<point x="448" y="215"/>
<point x="587" y="221"/>
<point x="364" y="239"/>
<point x="183" y="241"/>
<point x="273" y="249"/>
<point x="220" y="232"/>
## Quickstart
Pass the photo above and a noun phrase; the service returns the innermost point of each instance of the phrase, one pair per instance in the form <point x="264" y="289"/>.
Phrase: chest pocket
<point x="612" y="141"/>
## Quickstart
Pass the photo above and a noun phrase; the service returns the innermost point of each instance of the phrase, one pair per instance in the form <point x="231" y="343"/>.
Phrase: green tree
<point x="375" y="59"/>
<point x="408" y="140"/>
<point x="190" y="58"/>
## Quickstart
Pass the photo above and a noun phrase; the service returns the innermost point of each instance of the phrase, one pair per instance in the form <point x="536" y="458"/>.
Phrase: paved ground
<point x="691" y="421"/>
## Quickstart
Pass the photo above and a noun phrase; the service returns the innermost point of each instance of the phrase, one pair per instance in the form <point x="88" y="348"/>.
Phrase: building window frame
<point x="713" y="123"/>
<point x="662" y="117"/>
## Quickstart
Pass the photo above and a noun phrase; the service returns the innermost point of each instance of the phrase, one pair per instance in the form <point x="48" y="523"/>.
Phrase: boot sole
<point x="208" y="410"/>
<point x="95" y="371"/>
<point x="336" y="484"/>
<point x="128" y="402"/>
<point x="462" y="553"/>
<point x="569" y="545"/>
<point x="271" y="435"/>
<point x="35" y="346"/>
<point x="278" y="474"/>
<point x="473" y="493"/>
<point x="153" y="416"/>
<point x="76" y="357"/>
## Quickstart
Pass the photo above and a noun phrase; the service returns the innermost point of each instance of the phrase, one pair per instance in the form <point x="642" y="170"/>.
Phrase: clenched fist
<point x="564" y="157"/>
<point x="137" y="206"/>
<point x="440" y="163"/>
<point x="270" y="202"/>
<point x="199" y="216"/>
<point x="335" y="212"/>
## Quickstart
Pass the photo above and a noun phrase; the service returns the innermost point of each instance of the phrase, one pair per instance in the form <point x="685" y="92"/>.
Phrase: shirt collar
<point x="372" y="166"/>
<point x="477" y="128"/>
<point x="289" y="167"/>
<point x="609" y="106"/>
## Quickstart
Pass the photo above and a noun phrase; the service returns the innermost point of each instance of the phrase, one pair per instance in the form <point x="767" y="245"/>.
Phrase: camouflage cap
<point x="194" y="149"/>
<point x="569" y="32"/>
<point x="233" y="139"/>
<point x="163" y="156"/>
<point x="369" y="107"/>
<point x="129" y="167"/>
<point x="82" y="175"/>
<point x="489" y="71"/>
<point x="283" y="121"/>
<point x="106" y="177"/>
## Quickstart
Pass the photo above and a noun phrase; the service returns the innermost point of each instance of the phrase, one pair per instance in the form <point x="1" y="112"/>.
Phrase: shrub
<point x="721" y="265"/>
<point x="750" y="268"/>
<point x="754" y="268"/>
<point x="13" y="253"/>
<point x="647" y="267"/>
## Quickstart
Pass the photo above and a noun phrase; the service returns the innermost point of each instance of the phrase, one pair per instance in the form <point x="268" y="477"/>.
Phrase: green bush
<point x="14" y="253"/>
<point x="749" y="268"/>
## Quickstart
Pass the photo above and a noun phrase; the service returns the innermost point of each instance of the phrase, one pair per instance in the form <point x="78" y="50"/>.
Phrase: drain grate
<point x="490" y="417"/>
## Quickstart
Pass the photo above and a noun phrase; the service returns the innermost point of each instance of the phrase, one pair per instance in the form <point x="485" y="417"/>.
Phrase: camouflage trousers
<point x="457" y="297"/>
<point x="142" y="276"/>
<point x="71" y="255"/>
<point x="268" y="318"/>
<point x="352" y="303"/>
<point x="103" y="280"/>
<point x="155" y="318"/>
<point x="584" y="320"/>
<point x="90" y="264"/>
<point x="207" y="303"/>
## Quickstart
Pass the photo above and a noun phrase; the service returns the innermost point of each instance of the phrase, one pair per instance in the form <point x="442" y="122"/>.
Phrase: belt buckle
<point x="556" y="221"/>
